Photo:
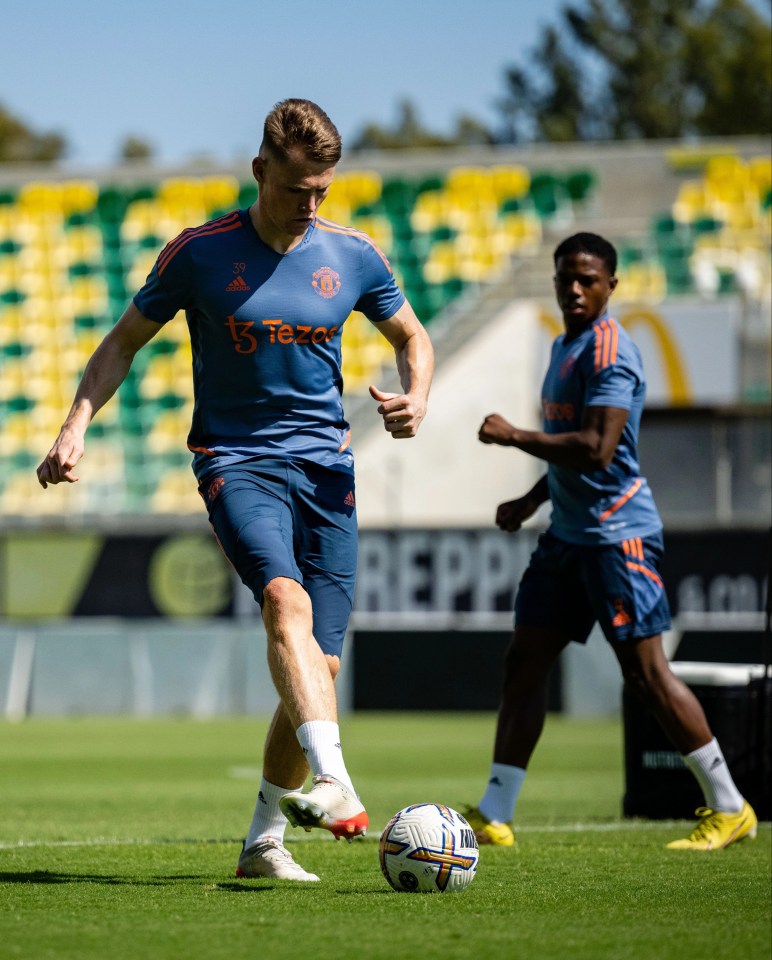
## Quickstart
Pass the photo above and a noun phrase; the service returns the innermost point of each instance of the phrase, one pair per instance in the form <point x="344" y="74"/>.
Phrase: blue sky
<point x="198" y="77"/>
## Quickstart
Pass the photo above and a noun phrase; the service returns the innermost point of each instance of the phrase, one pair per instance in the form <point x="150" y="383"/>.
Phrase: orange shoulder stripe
<point x="598" y="347"/>
<point x="606" y="344"/>
<point x="330" y="226"/>
<point x="230" y="221"/>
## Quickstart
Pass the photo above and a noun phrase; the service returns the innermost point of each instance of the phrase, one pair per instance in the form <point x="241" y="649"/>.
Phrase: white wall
<point x="445" y="476"/>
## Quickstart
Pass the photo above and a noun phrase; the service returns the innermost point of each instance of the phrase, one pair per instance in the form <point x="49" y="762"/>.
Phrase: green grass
<point x="119" y="838"/>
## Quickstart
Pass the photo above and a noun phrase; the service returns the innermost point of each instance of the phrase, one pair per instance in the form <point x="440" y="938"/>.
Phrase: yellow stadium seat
<point x="79" y="196"/>
<point x="524" y="231"/>
<point x="169" y="430"/>
<point x="9" y="273"/>
<point x="364" y="353"/>
<point x="690" y="202"/>
<point x="140" y="268"/>
<point x="378" y="228"/>
<point x="724" y="167"/>
<point x="141" y="220"/>
<point x="89" y="294"/>
<point x="83" y="245"/>
<point x="220" y="193"/>
<point x="442" y="263"/>
<point x="431" y="210"/>
<point x="176" y="492"/>
<point x="166" y="375"/>
<point x="181" y="191"/>
<point x="760" y="174"/>
<point x="41" y="196"/>
<point x="12" y="324"/>
<point x="468" y="210"/>
<point x="470" y="182"/>
<point x="360" y="187"/>
<point x="480" y="263"/>
<point x="176" y="331"/>
<point x="642" y="282"/>
<point x="510" y="182"/>
<point x="177" y="214"/>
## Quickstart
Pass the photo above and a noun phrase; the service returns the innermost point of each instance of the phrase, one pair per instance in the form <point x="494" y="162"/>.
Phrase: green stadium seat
<point x="512" y="205"/>
<point x="398" y="197"/>
<point x="12" y="296"/>
<point x="247" y="195"/>
<point x="580" y="184"/>
<point x="546" y="193"/>
<point x="706" y="225"/>
<point x="111" y="205"/>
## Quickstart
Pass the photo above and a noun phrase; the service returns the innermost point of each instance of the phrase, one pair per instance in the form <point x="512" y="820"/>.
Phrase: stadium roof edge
<point x="401" y="162"/>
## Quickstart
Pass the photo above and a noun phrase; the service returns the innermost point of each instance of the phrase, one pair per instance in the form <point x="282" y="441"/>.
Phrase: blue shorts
<point x="290" y="518"/>
<point x="569" y="588"/>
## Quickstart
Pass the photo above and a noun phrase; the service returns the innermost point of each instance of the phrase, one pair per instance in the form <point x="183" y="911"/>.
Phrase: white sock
<point x="320" y="742"/>
<point x="709" y="767"/>
<point x="267" y="820"/>
<point x="500" y="798"/>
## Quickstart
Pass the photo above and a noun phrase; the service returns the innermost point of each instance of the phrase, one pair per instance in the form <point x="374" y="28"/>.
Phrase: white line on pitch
<point x="302" y="837"/>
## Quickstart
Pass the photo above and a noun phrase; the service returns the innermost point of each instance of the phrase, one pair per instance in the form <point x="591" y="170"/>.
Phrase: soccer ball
<point x="428" y="848"/>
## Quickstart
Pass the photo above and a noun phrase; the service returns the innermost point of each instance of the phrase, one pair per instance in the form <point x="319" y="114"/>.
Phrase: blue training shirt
<point x="600" y="367"/>
<point x="265" y="331"/>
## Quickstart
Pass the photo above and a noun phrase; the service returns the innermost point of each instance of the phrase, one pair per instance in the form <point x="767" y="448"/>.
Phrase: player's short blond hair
<point x="301" y="124"/>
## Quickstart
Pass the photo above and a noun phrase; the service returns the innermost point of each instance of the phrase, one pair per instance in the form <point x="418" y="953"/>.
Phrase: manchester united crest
<point x="326" y="282"/>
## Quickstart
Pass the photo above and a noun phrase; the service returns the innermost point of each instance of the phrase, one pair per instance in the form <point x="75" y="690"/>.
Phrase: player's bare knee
<point x="284" y="597"/>
<point x="649" y="682"/>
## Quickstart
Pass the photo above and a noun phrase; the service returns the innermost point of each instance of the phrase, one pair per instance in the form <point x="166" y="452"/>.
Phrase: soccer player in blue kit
<point x="266" y="292"/>
<point x="599" y="560"/>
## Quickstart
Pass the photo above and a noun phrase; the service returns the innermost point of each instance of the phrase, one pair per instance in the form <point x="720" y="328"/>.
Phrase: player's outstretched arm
<point x="104" y="373"/>
<point x="403" y="412"/>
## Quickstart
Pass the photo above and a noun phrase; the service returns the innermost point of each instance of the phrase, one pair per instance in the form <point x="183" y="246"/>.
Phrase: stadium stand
<point x="715" y="236"/>
<point x="73" y="250"/>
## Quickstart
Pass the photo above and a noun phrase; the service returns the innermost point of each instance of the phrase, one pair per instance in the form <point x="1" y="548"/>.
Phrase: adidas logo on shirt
<point x="239" y="285"/>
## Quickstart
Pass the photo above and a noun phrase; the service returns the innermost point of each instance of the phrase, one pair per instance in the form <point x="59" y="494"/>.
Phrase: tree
<point x="736" y="99"/>
<point x="135" y="148"/>
<point x="410" y="133"/>
<point x="18" y="143"/>
<point x="550" y="102"/>
<point x="643" y="69"/>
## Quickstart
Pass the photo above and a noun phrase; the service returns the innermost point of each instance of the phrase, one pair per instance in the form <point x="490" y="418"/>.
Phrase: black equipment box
<point x="737" y="700"/>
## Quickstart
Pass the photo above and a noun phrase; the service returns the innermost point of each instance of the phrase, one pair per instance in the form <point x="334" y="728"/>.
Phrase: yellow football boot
<point x="488" y="832"/>
<point x="715" y="830"/>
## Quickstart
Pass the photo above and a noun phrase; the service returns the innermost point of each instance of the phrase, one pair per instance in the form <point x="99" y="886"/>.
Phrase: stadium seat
<point x="364" y="353"/>
<point x="72" y="252"/>
<point x="175" y="493"/>
<point x="580" y="185"/>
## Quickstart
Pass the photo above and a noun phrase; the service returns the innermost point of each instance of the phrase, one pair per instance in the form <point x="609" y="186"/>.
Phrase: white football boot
<point x="329" y="805"/>
<point x="269" y="858"/>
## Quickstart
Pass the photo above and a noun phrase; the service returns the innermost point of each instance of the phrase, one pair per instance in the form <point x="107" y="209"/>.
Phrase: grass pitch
<point x="119" y="839"/>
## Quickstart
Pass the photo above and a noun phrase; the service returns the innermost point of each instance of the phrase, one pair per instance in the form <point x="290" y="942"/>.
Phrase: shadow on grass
<point x="50" y="877"/>
<point x="243" y="888"/>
